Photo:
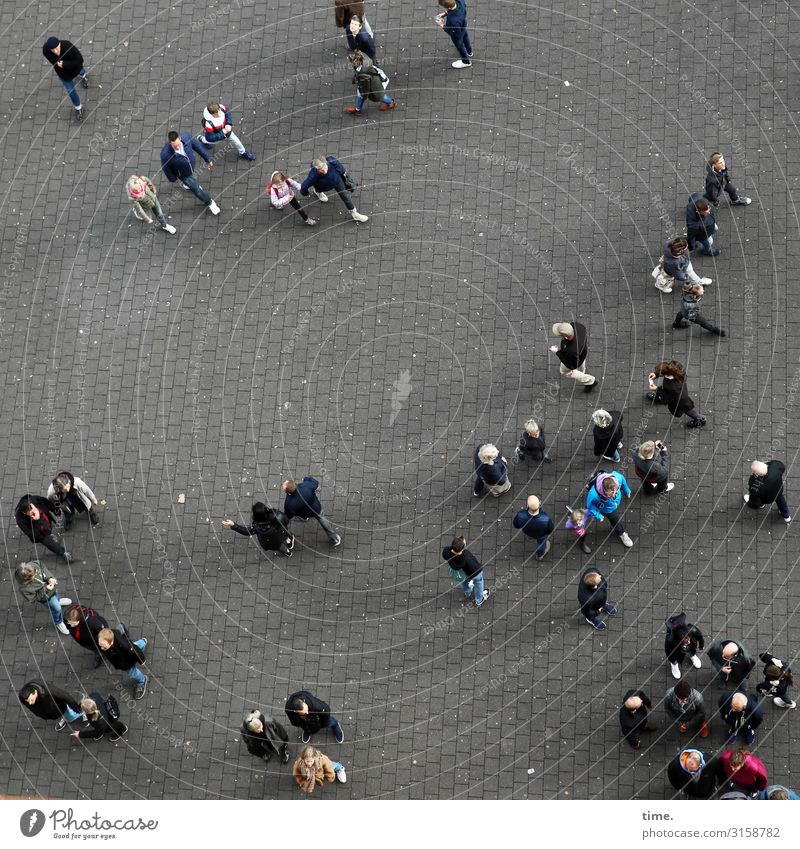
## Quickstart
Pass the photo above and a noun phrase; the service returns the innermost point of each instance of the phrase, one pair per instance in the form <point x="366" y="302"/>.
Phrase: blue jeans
<point x="541" y="545"/>
<point x="199" y="192"/>
<point x="333" y="723"/>
<point x="135" y="674"/>
<point x="54" y="603"/>
<point x="462" y="42"/>
<point x="69" y="85"/>
<point x="477" y="586"/>
<point x="360" y="100"/>
<point x="706" y="246"/>
<point x="337" y="766"/>
<point x="783" y="506"/>
<point x="69" y="714"/>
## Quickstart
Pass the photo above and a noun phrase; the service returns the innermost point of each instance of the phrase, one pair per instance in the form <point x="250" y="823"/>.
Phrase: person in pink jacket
<point x="744" y="769"/>
<point x="281" y="190"/>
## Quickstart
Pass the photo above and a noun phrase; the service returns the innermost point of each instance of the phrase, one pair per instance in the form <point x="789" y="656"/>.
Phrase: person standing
<point x="281" y="191"/>
<point x="676" y="265"/>
<point x="777" y="680"/>
<point x="731" y="661"/>
<point x="310" y="714"/>
<point x="369" y="83"/>
<point x="718" y="180"/>
<point x="344" y="11"/>
<point x="270" y="527"/>
<point x="68" y="63"/>
<point x="572" y="353"/>
<point x="37" y="518"/>
<point x="48" y="702"/>
<point x="766" y="487"/>
<point x="491" y="470"/>
<point x="634" y="717"/>
<point x="218" y="127"/>
<point x="142" y="194"/>
<point x="265" y="737"/>
<point x="532" y="444"/>
<point x="593" y="598"/>
<point x="359" y="38"/>
<point x="685" y="706"/>
<point x="84" y="626"/>
<point x="744" y="770"/>
<point x="689" y="311"/>
<point x="328" y="173"/>
<point x="604" y="495"/>
<point x="102" y="721"/>
<point x="682" y="641"/>
<point x="576" y="521"/>
<point x="536" y="524"/>
<point x="179" y="164"/>
<point x="701" y="225"/>
<point x="607" y="433"/>
<point x="312" y="769"/>
<point x="673" y="392"/>
<point x="37" y="584"/>
<point x="72" y="496"/>
<point x="651" y="465"/>
<point x="126" y="655"/>
<point x="302" y="503"/>
<point x="740" y="712"/>
<point x="692" y="775"/>
<point x="454" y="22"/>
<point x="458" y="557"/>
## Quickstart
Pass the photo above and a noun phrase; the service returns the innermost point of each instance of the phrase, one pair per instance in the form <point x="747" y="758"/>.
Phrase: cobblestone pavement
<point x="538" y="185"/>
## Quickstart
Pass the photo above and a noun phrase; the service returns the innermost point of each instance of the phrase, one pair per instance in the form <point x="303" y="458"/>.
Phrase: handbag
<point x="456" y="574"/>
<point x="663" y="280"/>
<point x="349" y="183"/>
<point x="112" y="708"/>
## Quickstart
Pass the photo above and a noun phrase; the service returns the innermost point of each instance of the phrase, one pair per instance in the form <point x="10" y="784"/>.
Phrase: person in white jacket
<point x="281" y="190"/>
<point x="73" y="496"/>
<point x="218" y="127"/>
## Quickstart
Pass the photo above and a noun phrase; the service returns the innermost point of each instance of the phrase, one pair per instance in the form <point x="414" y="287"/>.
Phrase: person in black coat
<point x="270" y="528"/>
<point x="125" y="654"/>
<point x="48" y="702"/>
<point x="692" y="775"/>
<point x="607" y="433"/>
<point x="593" y="598"/>
<point x="310" y="714"/>
<point x="777" y="680"/>
<point x="491" y="470"/>
<point x="673" y="392"/>
<point x="39" y="519"/>
<point x="718" y="180"/>
<point x="265" y="737"/>
<point x="740" y="712"/>
<point x="766" y="487"/>
<point x="682" y="641"/>
<point x="359" y="39"/>
<point x="572" y="353"/>
<point x="701" y="224"/>
<point x="459" y="557"/>
<point x="532" y="444"/>
<point x="84" y="626"/>
<point x="651" y="464"/>
<point x="67" y="62"/>
<point x="100" y="720"/>
<point x="634" y="716"/>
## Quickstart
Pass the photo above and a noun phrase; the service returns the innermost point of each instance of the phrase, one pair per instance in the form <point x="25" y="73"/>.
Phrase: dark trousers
<point x="697" y="318"/>
<point x="54" y="544"/>
<point x="616" y="522"/>
<point x="653" y="487"/>
<point x="462" y="43"/>
<point x="345" y="196"/>
<point x="295" y="204"/>
<point x="199" y="192"/>
<point x="780" y="502"/>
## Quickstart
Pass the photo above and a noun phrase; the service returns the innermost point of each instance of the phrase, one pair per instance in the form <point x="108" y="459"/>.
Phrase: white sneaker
<point x="460" y="63"/>
<point x="670" y="487"/>
<point x="357" y="216"/>
<point x="214" y="209"/>
<point x="695" y="661"/>
<point x="170" y="229"/>
<point x="62" y="627"/>
<point x="675" y="669"/>
<point x="65" y="602"/>
<point x="341" y="776"/>
<point x="706" y="281"/>
<point x="782" y="704"/>
<point x="746" y="497"/>
<point x="322" y="196"/>
<point x="787" y="519"/>
<point x="626" y="540"/>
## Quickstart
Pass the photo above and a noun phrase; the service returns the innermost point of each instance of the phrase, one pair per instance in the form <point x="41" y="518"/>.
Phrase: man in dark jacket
<point x="593" y="598"/>
<point x="36" y="517"/>
<point x="51" y="703"/>
<point x="691" y="774"/>
<point x="310" y="715"/>
<point x="84" y="625"/>
<point x="302" y="503"/>
<point x="634" y="716"/>
<point x="270" y="527"/>
<point x="178" y="163"/>
<point x="265" y="737"/>
<point x="454" y="22"/>
<point x="718" y="180"/>
<point x="766" y="487"/>
<point x="536" y="524"/>
<point x="126" y="655"/>
<point x="685" y="706"/>
<point x="731" y="661"/>
<point x="740" y="712"/>
<point x="572" y="353"/>
<point x="701" y="224"/>
<point x="682" y="641"/>
<point x="67" y="62"/>
<point x="457" y="556"/>
<point x="328" y="173"/>
<point x="344" y="10"/>
<point x="651" y="465"/>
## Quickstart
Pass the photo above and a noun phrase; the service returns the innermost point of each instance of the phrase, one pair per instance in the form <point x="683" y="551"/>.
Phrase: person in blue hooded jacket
<point x="178" y="163"/>
<point x="302" y="502"/>
<point x="604" y="496"/>
<point x="328" y="173"/>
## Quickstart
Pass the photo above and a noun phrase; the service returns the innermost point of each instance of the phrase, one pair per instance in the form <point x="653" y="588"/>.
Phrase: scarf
<point x="136" y="188"/>
<point x="696" y="773"/>
<point x="309" y="774"/>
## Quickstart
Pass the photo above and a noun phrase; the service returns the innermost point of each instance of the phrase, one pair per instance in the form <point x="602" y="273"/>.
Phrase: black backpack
<point x="593" y="477"/>
<point x="111" y="706"/>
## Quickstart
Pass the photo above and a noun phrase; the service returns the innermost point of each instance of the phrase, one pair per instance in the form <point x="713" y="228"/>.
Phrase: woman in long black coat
<point x="607" y="433"/>
<point x="673" y="392"/>
<point x="270" y="527"/>
<point x="689" y="773"/>
<point x="264" y="737"/>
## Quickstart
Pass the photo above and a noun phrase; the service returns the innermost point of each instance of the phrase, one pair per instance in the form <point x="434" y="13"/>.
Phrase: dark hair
<point x="701" y="205"/>
<point x="61" y="480"/>
<point x="773" y="671"/>
<point x="671" y="368"/>
<point x="447" y="4"/>
<point x="678" y="245"/>
<point x="27" y="691"/>
<point x="26" y="506"/>
<point x="172" y="135"/>
<point x="73" y="612"/>
<point x="714" y="158"/>
<point x="261" y="513"/>
<point x="458" y="544"/>
<point x="683" y="689"/>
<point x="297" y="703"/>
<point x="692" y="289"/>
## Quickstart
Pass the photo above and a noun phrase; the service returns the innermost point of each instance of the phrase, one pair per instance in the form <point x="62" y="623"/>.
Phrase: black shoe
<point x="85" y="81"/>
<point x="98" y="661"/>
<point x="681" y="326"/>
<point x="651" y="396"/>
<point x="78" y="114"/>
<point x="585" y="547"/>
<point x="590" y="387"/>
<point x="720" y="333"/>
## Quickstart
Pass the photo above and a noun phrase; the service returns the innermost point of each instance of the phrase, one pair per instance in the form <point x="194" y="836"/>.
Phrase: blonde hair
<point x="647" y="450"/>
<point x="563" y="328"/>
<point x="578" y="516"/>
<point x="89" y="707"/>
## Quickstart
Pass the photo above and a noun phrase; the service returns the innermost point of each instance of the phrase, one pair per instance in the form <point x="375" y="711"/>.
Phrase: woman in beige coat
<point x="142" y="194"/>
<point x="312" y="769"/>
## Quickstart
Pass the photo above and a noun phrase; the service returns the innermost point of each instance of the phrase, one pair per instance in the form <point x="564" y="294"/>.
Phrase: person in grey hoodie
<point x="677" y="264"/>
<point x="689" y="311"/>
<point x="652" y="467"/>
<point x="685" y="706"/>
<point x="731" y="661"/>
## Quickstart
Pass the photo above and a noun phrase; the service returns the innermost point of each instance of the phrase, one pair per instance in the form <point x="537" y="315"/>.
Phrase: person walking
<point x="673" y="392"/>
<point x="218" y="127"/>
<point x="491" y="470"/>
<point x="454" y="22"/>
<point x="265" y="737"/>
<point x="370" y="84"/>
<point x="49" y="702"/>
<point x="72" y="496"/>
<point x="718" y="180"/>
<point x="532" y="444"/>
<point x="604" y="495"/>
<point x="281" y="192"/>
<point x="328" y="173"/>
<point x="675" y="266"/>
<point x="38" y="519"/>
<point x="460" y="559"/>
<point x="740" y="712"/>
<point x="634" y="717"/>
<point x="344" y="12"/>
<point x="103" y="717"/>
<point x="142" y="194"/>
<point x="572" y="353"/>
<point x="701" y="225"/>
<point x="359" y="38"/>
<point x="765" y="486"/>
<point x="607" y="433"/>
<point x="593" y="598"/>
<point x="68" y="63"/>
<point x="777" y="680"/>
<point x="744" y="770"/>
<point x="179" y="164"/>
<point x="683" y="640"/>
<point x="776" y="792"/>
<point x="126" y="655"/>
<point x="84" y="625"/>
<point x="270" y="527"/>
<point x="310" y="714"/>
<point x="651" y="464"/>
<point x="691" y="774"/>
<point x="37" y="584"/>
<point x="689" y="311"/>
<point x="576" y="521"/>
<point x="536" y="524"/>
<point x="312" y="769"/>
<point x="302" y="503"/>
<point x="731" y="661"/>
<point x="685" y="706"/>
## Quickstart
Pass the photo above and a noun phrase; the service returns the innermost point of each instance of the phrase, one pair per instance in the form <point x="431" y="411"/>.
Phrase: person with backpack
<point x="37" y="584"/>
<point x="84" y="626"/>
<point x="265" y="737"/>
<point x="328" y="173"/>
<point x="777" y="680"/>
<point x="673" y="392"/>
<point x="607" y="434"/>
<point x="603" y="496"/>
<point x="126" y="655"/>
<point x="682" y="642"/>
<point x="270" y="527"/>
<point x="103" y="715"/>
<point x="462" y="562"/>
<point x="689" y="311"/>
<point x="281" y="192"/>
<point x="370" y="84"/>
